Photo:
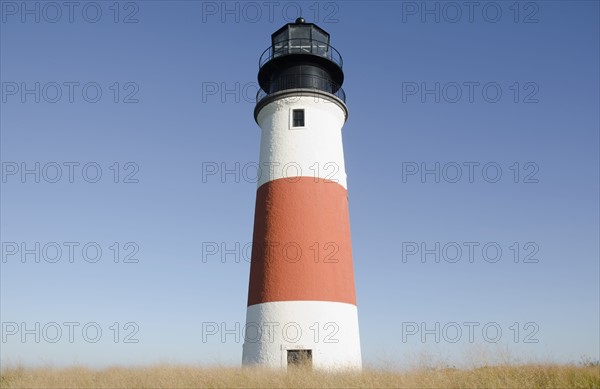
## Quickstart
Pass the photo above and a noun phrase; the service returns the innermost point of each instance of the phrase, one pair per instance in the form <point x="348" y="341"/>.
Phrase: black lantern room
<point x="300" y="57"/>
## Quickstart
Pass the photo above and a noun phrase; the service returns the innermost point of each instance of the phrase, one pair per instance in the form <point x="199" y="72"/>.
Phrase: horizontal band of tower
<point x="314" y="150"/>
<point x="329" y="329"/>
<point x="302" y="249"/>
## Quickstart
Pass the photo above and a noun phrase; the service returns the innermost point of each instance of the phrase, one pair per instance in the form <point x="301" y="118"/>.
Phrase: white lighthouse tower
<point x="301" y="301"/>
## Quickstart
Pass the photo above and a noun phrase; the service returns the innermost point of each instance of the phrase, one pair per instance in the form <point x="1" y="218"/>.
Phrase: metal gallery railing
<point x="301" y="46"/>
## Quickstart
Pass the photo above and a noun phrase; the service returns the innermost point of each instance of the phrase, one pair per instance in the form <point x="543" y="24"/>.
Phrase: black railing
<point x="303" y="81"/>
<point x="301" y="46"/>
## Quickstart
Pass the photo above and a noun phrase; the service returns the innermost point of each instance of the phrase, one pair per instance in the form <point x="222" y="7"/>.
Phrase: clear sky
<point x="496" y="102"/>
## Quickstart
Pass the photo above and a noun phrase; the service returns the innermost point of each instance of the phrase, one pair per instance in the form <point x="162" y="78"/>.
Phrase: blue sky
<point x="173" y="63"/>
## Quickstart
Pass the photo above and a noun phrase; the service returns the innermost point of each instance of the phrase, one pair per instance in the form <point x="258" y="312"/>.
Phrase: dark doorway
<point x="299" y="358"/>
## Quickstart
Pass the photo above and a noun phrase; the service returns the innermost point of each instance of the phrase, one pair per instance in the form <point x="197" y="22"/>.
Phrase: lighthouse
<point x="301" y="300"/>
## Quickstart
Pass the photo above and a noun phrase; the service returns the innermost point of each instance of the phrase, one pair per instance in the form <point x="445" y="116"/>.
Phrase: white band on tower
<point x="329" y="329"/>
<point x="314" y="150"/>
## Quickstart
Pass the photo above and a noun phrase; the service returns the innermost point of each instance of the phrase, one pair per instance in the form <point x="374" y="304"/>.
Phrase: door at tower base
<point x="325" y="332"/>
<point x="299" y="358"/>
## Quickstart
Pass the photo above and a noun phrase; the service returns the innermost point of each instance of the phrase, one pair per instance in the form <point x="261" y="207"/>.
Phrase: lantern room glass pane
<point x="320" y="36"/>
<point x="280" y="43"/>
<point x="300" y="32"/>
<point x="300" y="39"/>
<point x="282" y="36"/>
<point x="320" y="42"/>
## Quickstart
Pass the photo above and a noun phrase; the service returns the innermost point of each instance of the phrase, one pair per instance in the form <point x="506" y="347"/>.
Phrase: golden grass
<point x="170" y="376"/>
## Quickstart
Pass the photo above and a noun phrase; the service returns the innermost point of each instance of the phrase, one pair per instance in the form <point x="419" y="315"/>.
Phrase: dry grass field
<point x="171" y="376"/>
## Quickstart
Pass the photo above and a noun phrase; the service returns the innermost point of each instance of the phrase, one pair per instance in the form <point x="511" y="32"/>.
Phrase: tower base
<point x="319" y="334"/>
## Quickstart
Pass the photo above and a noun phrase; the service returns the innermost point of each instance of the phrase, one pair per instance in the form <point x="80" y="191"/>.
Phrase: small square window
<point x="298" y="118"/>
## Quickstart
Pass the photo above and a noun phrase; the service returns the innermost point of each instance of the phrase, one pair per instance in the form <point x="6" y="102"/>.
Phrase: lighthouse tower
<point x="301" y="300"/>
